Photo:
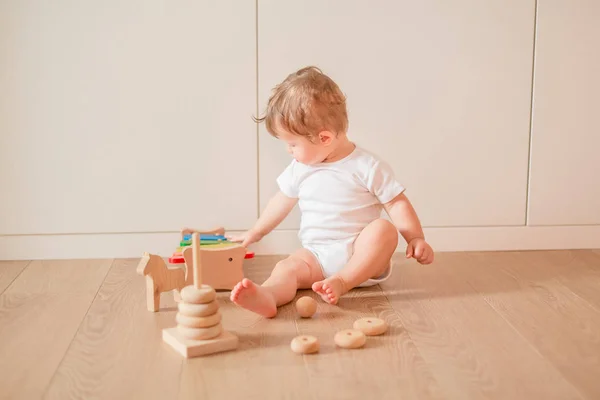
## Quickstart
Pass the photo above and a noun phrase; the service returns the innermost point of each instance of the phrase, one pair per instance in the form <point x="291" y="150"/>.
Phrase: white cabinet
<point x="441" y="90"/>
<point x="565" y="168"/>
<point x="132" y="116"/>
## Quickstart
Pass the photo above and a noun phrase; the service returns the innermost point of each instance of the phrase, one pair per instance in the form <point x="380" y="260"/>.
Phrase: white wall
<point x="107" y="110"/>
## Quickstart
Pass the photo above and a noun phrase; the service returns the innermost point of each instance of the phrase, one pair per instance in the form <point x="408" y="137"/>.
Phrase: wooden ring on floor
<point x="350" y="339"/>
<point x="198" y="310"/>
<point x="304" y="344"/>
<point x="200" y="333"/>
<point x="198" y="322"/>
<point x="190" y="294"/>
<point x="371" y="326"/>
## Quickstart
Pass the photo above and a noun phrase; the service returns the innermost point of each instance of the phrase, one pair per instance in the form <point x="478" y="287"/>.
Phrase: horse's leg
<point x="152" y="295"/>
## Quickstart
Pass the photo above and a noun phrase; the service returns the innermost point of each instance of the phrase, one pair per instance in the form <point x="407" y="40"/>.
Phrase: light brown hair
<point x="305" y="103"/>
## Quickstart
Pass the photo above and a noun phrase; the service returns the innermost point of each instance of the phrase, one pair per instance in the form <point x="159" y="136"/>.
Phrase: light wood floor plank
<point x="563" y="327"/>
<point x="472" y="351"/>
<point x="118" y="352"/>
<point x="579" y="270"/>
<point x="9" y="270"/>
<point x="39" y="316"/>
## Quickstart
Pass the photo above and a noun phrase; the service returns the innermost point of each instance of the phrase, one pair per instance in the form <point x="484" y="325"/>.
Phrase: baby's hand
<point x="246" y="238"/>
<point x="420" y="250"/>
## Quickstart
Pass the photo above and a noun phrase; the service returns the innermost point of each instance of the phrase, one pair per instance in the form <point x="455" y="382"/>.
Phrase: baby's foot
<point x="330" y="289"/>
<point x="255" y="298"/>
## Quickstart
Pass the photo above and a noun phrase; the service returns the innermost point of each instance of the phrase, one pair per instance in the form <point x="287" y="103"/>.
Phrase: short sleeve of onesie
<point x="382" y="182"/>
<point x="287" y="181"/>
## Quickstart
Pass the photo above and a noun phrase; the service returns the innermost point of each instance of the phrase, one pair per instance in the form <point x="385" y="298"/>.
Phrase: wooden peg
<point x="196" y="260"/>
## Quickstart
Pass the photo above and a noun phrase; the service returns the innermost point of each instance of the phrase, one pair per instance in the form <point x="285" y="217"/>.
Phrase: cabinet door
<point x="440" y="90"/>
<point x="565" y="168"/>
<point x="129" y="116"/>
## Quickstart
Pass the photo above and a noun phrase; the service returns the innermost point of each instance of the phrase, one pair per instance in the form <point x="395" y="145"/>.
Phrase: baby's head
<point x="308" y="112"/>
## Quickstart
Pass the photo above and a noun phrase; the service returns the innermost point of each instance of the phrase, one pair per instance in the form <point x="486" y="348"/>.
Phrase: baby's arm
<point x="405" y="218"/>
<point x="278" y="207"/>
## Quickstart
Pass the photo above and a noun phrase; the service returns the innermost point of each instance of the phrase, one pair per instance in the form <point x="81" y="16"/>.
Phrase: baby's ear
<point x="326" y="137"/>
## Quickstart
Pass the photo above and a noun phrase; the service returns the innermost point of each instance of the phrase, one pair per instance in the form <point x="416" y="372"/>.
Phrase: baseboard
<point x="133" y="245"/>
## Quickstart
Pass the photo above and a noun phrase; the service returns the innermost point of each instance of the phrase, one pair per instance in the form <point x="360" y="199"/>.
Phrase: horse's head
<point x="142" y="267"/>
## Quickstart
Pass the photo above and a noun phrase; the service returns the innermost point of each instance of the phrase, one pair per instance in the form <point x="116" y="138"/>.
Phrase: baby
<point x="340" y="189"/>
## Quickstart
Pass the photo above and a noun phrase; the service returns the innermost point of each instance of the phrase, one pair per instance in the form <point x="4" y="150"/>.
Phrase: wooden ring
<point x="193" y="295"/>
<point x="350" y="339"/>
<point x="304" y="344"/>
<point x="371" y="326"/>
<point x="198" y="322"/>
<point x="198" y="310"/>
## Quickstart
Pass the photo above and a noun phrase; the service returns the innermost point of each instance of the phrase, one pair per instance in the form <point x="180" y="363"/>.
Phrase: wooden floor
<point x="515" y="325"/>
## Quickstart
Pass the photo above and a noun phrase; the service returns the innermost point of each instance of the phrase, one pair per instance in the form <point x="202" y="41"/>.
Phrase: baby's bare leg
<point x="373" y="250"/>
<point x="298" y="271"/>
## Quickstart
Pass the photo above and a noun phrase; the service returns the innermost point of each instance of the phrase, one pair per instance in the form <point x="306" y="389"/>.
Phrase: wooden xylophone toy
<point x="214" y="241"/>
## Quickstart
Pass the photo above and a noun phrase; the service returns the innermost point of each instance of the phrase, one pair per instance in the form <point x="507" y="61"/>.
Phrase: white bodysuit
<point x="337" y="201"/>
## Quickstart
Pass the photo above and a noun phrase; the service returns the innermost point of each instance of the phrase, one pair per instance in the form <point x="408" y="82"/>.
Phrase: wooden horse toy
<point x="159" y="278"/>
